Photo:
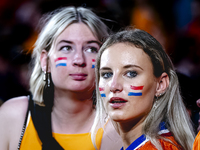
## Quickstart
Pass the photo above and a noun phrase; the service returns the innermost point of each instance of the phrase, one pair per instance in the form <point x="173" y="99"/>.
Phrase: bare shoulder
<point x="111" y="139"/>
<point x="12" y="116"/>
<point x="15" y="107"/>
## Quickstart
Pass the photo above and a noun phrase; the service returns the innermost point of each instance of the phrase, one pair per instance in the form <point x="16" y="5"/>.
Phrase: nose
<point x="79" y="59"/>
<point x="116" y="86"/>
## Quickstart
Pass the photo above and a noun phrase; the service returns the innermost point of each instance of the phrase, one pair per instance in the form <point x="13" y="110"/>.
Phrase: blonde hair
<point x="169" y="108"/>
<point x="55" y="23"/>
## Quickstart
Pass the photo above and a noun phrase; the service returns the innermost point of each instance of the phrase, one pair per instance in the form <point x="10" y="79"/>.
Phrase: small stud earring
<point x="159" y="95"/>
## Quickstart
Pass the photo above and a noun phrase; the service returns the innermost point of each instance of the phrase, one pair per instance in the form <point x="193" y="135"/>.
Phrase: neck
<point x="129" y="132"/>
<point x="73" y="112"/>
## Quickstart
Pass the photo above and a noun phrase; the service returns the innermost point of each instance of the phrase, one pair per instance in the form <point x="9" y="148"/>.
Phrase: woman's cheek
<point x="135" y="90"/>
<point x="102" y="92"/>
<point x="93" y="63"/>
<point x="60" y="62"/>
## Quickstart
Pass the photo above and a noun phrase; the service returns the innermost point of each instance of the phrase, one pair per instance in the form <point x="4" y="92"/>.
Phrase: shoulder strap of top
<point x="30" y="103"/>
<point x="41" y="117"/>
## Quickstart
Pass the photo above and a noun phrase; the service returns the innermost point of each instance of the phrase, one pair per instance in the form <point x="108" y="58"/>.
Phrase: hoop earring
<point x="48" y="92"/>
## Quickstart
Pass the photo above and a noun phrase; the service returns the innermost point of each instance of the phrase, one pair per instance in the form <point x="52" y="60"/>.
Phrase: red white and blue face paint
<point x="61" y="61"/>
<point x="101" y="90"/>
<point x="135" y="90"/>
<point x="93" y="63"/>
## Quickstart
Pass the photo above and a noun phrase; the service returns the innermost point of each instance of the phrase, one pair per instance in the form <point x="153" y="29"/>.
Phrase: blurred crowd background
<point x="174" y="23"/>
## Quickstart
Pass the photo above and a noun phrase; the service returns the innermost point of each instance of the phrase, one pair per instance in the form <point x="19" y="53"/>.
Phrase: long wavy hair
<point x="54" y="24"/>
<point x="169" y="107"/>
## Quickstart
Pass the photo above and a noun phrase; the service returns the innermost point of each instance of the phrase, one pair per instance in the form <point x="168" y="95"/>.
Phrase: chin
<point x="117" y="118"/>
<point x="83" y="88"/>
<point x="78" y="89"/>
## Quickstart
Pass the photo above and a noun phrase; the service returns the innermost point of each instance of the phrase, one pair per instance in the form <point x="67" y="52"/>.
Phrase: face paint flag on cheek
<point x="93" y="63"/>
<point x="101" y="90"/>
<point x="61" y="61"/>
<point x="136" y="91"/>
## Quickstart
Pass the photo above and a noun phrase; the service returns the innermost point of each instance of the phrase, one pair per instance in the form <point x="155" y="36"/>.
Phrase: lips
<point x="117" y="102"/>
<point x="78" y="76"/>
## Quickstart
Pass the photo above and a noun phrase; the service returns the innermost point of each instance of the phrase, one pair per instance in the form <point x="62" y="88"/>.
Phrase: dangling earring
<point x="106" y="118"/>
<point x="44" y="76"/>
<point x="155" y="104"/>
<point x="48" y="93"/>
<point x="94" y="98"/>
<point x="48" y="79"/>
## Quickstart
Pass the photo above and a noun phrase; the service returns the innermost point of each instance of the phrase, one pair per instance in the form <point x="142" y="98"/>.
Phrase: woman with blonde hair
<point x="139" y="93"/>
<point x="60" y="112"/>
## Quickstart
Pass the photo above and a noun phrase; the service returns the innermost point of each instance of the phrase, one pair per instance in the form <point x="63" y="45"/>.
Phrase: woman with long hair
<point x="60" y="111"/>
<point x="139" y="93"/>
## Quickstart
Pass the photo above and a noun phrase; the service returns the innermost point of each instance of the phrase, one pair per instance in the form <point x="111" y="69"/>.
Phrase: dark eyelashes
<point x="131" y="74"/>
<point x="106" y="75"/>
<point x="67" y="47"/>
<point x="92" y="49"/>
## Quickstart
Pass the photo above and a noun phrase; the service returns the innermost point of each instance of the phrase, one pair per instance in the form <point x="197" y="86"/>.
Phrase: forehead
<point x="77" y="32"/>
<point x="121" y="54"/>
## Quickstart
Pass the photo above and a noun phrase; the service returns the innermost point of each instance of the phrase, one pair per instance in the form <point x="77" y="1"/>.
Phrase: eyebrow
<point x="126" y="66"/>
<point x="105" y="68"/>
<point x="89" y="42"/>
<point x="130" y="66"/>
<point x="94" y="42"/>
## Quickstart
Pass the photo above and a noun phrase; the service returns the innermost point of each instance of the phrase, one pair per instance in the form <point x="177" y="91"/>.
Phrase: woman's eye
<point x="106" y="75"/>
<point x="131" y="74"/>
<point x="66" y="48"/>
<point x="92" y="50"/>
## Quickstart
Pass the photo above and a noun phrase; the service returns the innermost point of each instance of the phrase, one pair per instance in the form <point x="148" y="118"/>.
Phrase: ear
<point x="44" y="61"/>
<point x="162" y="85"/>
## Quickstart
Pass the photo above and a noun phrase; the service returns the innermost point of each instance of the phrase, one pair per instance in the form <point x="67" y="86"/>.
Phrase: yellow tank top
<point x="31" y="141"/>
